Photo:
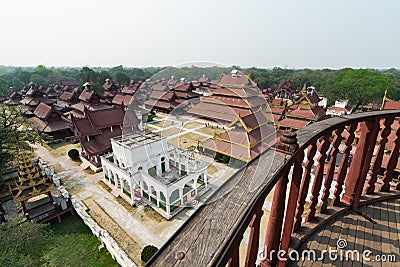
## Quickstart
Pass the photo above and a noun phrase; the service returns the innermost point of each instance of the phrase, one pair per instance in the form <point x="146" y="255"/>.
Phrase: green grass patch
<point x="88" y="170"/>
<point x="104" y="186"/>
<point x="129" y="208"/>
<point x="75" y="245"/>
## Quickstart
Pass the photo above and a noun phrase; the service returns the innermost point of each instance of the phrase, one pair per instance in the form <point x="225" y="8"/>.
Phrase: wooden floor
<point x="382" y="238"/>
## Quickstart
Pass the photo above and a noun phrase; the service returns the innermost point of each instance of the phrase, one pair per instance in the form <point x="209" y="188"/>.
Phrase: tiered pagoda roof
<point x="251" y="136"/>
<point x="233" y="95"/>
<point x="31" y="182"/>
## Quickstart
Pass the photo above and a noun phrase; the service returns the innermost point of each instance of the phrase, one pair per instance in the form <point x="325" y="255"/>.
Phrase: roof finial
<point x="384" y="98"/>
<point x="304" y="89"/>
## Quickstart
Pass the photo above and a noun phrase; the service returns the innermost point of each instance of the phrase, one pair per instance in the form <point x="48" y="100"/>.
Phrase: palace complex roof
<point x="31" y="182"/>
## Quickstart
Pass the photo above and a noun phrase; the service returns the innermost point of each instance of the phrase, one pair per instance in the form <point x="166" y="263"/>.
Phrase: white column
<point x="181" y="195"/>
<point x="141" y="188"/>
<point x="205" y="178"/>
<point x="132" y="191"/>
<point x="158" y="198"/>
<point x="167" y="205"/>
<point x="195" y="185"/>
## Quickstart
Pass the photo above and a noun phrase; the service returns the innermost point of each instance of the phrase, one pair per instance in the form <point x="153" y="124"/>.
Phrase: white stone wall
<point x="106" y="239"/>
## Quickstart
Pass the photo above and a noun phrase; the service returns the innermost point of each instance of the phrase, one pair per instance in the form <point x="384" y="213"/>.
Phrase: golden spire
<point x="304" y="89"/>
<point x="384" y="99"/>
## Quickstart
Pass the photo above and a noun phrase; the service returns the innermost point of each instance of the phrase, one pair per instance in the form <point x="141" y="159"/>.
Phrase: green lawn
<point x="70" y="243"/>
<point x="75" y="245"/>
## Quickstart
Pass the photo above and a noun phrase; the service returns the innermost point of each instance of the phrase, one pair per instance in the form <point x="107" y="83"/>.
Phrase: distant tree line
<point x="14" y="78"/>
<point x="360" y="86"/>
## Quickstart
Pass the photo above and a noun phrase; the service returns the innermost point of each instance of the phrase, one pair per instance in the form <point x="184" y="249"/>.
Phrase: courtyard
<point x="133" y="227"/>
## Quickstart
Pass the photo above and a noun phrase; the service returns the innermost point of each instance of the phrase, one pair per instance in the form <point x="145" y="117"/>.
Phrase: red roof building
<point x="250" y="136"/>
<point x="304" y="111"/>
<point x="340" y="108"/>
<point x="234" y="95"/>
<point x="95" y="131"/>
<point x="50" y="121"/>
<point x="161" y="99"/>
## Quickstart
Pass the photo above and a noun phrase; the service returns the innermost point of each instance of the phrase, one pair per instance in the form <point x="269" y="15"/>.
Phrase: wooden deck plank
<point x="368" y="234"/>
<point x="384" y="229"/>
<point x="313" y="245"/>
<point x="359" y="240"/>
<point x="395" y="225"/>
<point x="393" y="232"/>
<point x="335" y="233"/>
<point x="344" y="232"/>
<point x="323" y="246"/>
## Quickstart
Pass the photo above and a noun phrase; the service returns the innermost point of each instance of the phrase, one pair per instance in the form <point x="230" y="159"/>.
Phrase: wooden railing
<point x="212" y="236"/>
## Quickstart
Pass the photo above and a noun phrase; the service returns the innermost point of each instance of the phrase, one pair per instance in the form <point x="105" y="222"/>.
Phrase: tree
<point x="360" y="86"/>
<point x="4" y="89"/>
<point x="122" y="78"/>
<point x="86" y="74"/>
<point x="73" y="154"/>
<point x="15" y="134"/>
<point x="42" y="71"/>
<point x="55" y="77"/>
<point x="17" y="84"/>
<point x="23" y="243"/>
<point x="38" y="79"/>
<point x="148" y="252"/>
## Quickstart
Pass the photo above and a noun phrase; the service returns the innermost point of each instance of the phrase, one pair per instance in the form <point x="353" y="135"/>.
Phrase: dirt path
<point x="130" y="246"/>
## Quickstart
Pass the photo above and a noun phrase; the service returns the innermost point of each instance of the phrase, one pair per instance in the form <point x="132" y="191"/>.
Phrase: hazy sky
<point x="264" y="33"/>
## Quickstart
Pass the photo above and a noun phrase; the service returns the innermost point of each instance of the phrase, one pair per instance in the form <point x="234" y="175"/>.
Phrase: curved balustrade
<point x="211" y="237"/>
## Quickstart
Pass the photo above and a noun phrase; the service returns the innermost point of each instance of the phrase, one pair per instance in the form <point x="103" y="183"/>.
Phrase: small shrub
<point x="151" y="117"/>
<point x="73" y="154"/>
<point x="225" y="159"/>
<point x="148" y="252"/>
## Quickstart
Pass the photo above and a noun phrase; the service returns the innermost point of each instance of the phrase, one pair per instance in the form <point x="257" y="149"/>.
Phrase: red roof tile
<point x="390" y="104"/>
<point x="43" y="111"/>
<point x="122" y="100"/>
<point x="293" y="123"/>
<point x="229" y="80"/>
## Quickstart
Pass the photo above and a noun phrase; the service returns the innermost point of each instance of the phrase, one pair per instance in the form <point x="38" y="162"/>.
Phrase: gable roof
<point x="67" y="96"/>
<point x="391" y="104"/>
<point x="43" y="111"/>
<point x="122" y="100"/>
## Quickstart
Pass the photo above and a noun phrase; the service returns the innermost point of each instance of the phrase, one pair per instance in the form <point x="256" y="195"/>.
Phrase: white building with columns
<point x="143" y="167"/>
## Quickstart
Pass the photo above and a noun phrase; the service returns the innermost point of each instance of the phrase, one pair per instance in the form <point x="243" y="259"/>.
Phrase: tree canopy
<point x="360" y="86"/>
<point x="14" y="134"/>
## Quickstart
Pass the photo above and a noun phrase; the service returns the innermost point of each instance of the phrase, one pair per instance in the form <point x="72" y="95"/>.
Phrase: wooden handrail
<point x="211" y="236"/>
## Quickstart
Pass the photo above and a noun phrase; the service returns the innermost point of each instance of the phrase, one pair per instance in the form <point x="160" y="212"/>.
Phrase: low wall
<point x="106" y="239"/>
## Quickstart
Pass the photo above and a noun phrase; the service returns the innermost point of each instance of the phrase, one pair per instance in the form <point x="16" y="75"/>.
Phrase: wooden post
<point x="274" y="228"/>
<point x="234" y="259"/>
<point x="252" y="247"/>
<point x="304" y="186"/>
<point x="370" y="187"/>
<point x="319" y="173"/>
<point x="292" y="203"/>
<point x="359" y="168"/>
<point x="289" y="145"/>
<point x="344" y="165"/>
<point x="394" y="157"/>
<point x="331" y="169"/>
<point x="23" y="207"/>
